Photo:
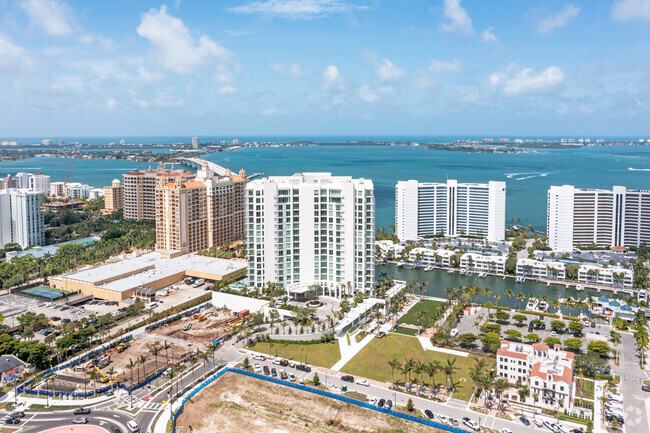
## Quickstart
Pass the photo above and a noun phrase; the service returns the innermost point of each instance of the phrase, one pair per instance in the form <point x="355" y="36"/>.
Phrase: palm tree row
<point x="412" y="366"/>
<point x="487" y="380"/>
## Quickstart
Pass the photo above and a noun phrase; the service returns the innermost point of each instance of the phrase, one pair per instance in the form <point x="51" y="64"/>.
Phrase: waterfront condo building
<point x="21" y="218"/>
<point x="201" y="213"/>
<point x="113" y="197"/>
<point x="181" y="215"/>
<point x="452" y="209"/>
<point x="225" y="204"/>
<point x="39" y="182"/>
<point x="616" y="217"/>
<point x="311" y="228"/>
<point x="140" y="190"/>
<point x="57" y="189"/>
<point x="548" y="372"/>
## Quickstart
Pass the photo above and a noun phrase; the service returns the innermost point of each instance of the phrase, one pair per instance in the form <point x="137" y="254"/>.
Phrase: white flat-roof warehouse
<point x="118" y="280"/>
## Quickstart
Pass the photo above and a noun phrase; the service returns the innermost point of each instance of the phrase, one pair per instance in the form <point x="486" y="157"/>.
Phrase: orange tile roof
<point x="193" y="184"/>
<point x="540" y="346"/>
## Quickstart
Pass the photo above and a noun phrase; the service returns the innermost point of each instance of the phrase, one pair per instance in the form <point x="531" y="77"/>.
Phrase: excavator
<point x="102" y="378"/>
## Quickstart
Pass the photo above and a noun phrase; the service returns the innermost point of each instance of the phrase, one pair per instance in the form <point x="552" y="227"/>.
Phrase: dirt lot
<point x="236" y="403"/>
<point x="200" y="332"/>
<point x="70" y="380"/>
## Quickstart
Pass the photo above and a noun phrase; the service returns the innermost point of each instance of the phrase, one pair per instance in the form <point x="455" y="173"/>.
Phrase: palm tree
<point x="93" y="375"/>
<point x="409" y="365"/>
<point x="450" y="370"/>
<point x="205" y="356"/>
<point x="166" y="347"/>
<point x="394" y="364"/>
<point x="521" y="298"/>
<point x="476" y="373"/>
<point x="142" y="360"/>
<point x="499" y="386"/>
<point x="193" y="361"/>
<point x="156" y="351"/>
<point x="556" y="305"/>
<point x="419" y="369"/>
<point x="433" y="367"/>
<point x="487" y="291"/>
<point x="497" y="297"/>
<point x="111" y="374"/>
<point x="130" y="365"/>
<point x="509" y="293"/>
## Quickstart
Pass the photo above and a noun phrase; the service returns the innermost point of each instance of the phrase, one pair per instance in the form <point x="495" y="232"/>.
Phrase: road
<point x="35" y="423"/>
<point x="635" y="401"/>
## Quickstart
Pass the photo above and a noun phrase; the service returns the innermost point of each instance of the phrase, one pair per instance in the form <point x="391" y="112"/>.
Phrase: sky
<point x="336" y="67"/>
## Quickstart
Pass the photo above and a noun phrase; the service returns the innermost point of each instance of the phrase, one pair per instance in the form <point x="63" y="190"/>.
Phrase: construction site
<point x="114" y="366"/>
<point x="202" y="329"/>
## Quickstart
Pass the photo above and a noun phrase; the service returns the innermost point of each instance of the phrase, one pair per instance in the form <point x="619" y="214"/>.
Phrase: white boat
<point x="520" y="279"/>
<point x="400" y="264"/>
<point x="482" y="275"/>
<point x="428" y="268"/>
<point x="451" y="271"/>
<point x="542" y="306"/>
<point x="579" y="288"/>
<point x="532" y="304"/>
<point x="505" y="276"/>
<point x="463" y="271"/>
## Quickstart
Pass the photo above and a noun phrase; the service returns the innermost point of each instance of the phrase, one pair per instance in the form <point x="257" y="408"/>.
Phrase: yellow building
<point x="113" y="197"/>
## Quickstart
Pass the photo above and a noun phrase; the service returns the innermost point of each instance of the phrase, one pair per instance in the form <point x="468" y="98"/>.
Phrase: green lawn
<point x="406" y="331"/>
<point x="588" y="388"/>
<point x="322" y="354"/>
<point x="428" y="307"/>
<point x="372" y="362"/>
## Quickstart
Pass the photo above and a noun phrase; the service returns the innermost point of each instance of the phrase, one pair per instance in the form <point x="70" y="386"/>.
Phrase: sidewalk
<point x="350" y="351"/>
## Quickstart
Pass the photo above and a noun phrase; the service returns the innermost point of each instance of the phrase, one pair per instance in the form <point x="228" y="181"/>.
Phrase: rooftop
<point x="131" y="271"/>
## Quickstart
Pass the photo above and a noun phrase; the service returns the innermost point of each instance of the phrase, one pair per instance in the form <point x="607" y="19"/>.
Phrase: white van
<point x="150" y="306"/>
<point x="133" y="427"/>
<point x="454" y="332"/>
<point x="162" y="292"/>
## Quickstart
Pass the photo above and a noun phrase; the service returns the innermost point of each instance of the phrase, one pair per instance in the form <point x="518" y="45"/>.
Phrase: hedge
<point x="539" y="313"/>
<point x="325" y="339"/>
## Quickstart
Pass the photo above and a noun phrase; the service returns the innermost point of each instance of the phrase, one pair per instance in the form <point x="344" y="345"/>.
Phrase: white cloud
<point x="428" y="77"/>
<point x="173" y="45"/>
<point x="147" y="76"/>
<point x="111" y="103"/>
<point x="297" y="9"/>
<point x="367" y="94"/>
<point x="488" y="35"/>
<point x="53" y="16"/>
<point x="332" y="79"/>
<point x="388" y="71"/>
<point x="459" y="20"/>
<point x="12" y="56"/>
<point x="516" y="81"/>
<point x="270" y="112"/>
<point x="560" y="19"/>
<point x="227" y="90"/>
<point x="469" y="97"/>
<point x="163" y="98"/>
<point x="291" y="70"/>
<point x="628" y="10"/>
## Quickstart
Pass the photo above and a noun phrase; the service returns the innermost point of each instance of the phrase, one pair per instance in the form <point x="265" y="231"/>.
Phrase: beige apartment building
<point x="181" y="216"/>
<point x="225" y="205"/>
<point x="205" y="212"/>
<point x="113" y="197"/>
<point x="140" y="190"/>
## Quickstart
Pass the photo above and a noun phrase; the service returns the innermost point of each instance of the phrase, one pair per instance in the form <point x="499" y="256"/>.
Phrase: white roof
<point x="237" y="302"/>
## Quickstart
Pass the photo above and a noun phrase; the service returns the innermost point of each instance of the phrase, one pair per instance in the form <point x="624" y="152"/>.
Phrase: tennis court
<point x="44" y="292"/>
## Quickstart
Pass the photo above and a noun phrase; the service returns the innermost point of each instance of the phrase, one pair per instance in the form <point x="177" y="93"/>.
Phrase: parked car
<point x="276" y="361"/>
<point x="292" y="377"/>
<point x="389" y="404"/>
<point x="443" y="419"/>
<point x="506" y="430"/>
<point x="645" y="388"/>
<point x="362" y="382"/>
<point x="381" y="403"/>
<point x="115" y="429"/>
<point x="471" y="424"/>
<point x="283" y="375"/>
<point x="80" y="420"/>
<point x="549" y="425"/>
<point x="454" y="422"/>
<point x="266" y="370"/>
<point x="525" y="421"/>
<point x="428" y="413"/>
<point x="82" y="411"/>
<point x="274" y="372"/>
<point x="284" y="363"/>
<point x="259" y="357"/>
<point x="347" y="378"/>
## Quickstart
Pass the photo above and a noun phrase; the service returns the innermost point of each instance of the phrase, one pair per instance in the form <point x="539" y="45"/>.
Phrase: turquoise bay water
<point x="527" y="175"/>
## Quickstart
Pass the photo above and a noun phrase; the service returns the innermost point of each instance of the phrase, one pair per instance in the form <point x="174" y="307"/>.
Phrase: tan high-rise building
<point x="225" y="204"/>
<point x="140" y="190"/>
<point x="113" y="197"/>
<point x="201" y="213"/>
<point x="181" y="216"/>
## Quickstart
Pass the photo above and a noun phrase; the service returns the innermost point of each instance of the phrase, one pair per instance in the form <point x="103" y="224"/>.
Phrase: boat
<point x="482" y="275"/>
<point x="520" y="279"/>
<point x="428" y="268"/>
<point x="451" y="271"/>
<point x="532" y="304"/>
<point x="463" y="271"/>
<point x="505" y="276"/>
<point x="579" y="288"/>
<point x="542" y="306"/>
<point x="400" y="264"/>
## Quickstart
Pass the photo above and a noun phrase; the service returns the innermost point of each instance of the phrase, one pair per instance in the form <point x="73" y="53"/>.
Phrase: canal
<point x="439" y="280"/>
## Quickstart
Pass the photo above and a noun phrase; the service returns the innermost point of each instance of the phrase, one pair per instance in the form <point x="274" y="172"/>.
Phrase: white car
<point x="276" y="361"/>
<point x="471" y="424"/>
<point x="362" y="382"/>
<point x="443" y="419"/>
<point x="506" y="430"/>
<point x="292" y="377"/>
<point x="372" y="400"/>
<point x="257" y="368"/>
<point x="259" y="357"/>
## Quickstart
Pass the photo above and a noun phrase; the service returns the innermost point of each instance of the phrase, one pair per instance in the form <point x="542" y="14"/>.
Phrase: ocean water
<point x="527" y="175"/>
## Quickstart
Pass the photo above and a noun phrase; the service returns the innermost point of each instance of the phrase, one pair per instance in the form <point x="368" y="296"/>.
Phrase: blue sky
<point x="338" y="67"/>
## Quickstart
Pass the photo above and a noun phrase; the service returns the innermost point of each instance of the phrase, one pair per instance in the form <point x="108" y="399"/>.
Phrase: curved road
<point x="39" y="422"/>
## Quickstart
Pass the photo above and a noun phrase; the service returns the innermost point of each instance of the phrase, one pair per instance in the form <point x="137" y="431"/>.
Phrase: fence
<point x="175" y="317"/>
<point x="318" y="392"/>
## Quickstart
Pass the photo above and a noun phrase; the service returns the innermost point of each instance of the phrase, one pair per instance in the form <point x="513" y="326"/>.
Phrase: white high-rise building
<point x="22" y="180"/>
<point x="21" y="218"/>
<point x="311" y="228"/>
<point x="39" y="182"/>
<point x="616" y="217"/>
<point x="195" y="142"/>
<point x="452" y="208"/>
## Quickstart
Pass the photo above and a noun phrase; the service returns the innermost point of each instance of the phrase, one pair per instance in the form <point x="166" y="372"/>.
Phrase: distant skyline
<point x="324" y="67"/>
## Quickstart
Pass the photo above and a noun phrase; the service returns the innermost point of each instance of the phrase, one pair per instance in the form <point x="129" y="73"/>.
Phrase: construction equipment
<point x="102" y="378"/>
<point x="187" y="327"/>
<point x="201" y="318"/>
<point x="74" y="153"/>
<point x="122" y="347"/>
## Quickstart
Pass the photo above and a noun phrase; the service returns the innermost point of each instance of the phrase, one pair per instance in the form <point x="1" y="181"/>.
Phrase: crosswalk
<point x="154" y="406"/>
